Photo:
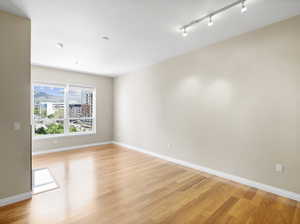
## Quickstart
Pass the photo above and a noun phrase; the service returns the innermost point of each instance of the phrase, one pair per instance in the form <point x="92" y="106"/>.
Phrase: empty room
<point x="150" y="112"/>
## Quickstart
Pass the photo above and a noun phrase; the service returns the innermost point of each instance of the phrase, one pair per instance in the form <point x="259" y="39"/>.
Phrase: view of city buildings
<point x="47" y="109"/>
<point x="82" y="110"/>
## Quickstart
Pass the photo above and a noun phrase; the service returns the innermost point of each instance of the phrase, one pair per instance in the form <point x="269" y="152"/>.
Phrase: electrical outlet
<point x="279" y="168"/>
<point x="169" y="145"/>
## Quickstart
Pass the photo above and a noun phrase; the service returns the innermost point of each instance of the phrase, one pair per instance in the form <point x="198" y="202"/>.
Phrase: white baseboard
<point x="70" y="148"/>
<point x="251" y="183"/>
<point x="15" y="198"/>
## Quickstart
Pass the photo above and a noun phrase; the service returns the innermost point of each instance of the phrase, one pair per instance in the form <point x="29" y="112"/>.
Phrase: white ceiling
<point x="142" y="32"/>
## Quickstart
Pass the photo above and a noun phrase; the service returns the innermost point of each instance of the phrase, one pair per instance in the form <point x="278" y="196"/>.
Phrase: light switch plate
<point x="17" y="126"/>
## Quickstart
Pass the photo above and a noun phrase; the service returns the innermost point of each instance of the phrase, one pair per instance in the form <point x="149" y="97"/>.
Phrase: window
<point x="63" y="110"/>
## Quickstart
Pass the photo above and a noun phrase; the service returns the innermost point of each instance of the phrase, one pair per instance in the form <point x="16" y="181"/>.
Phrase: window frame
<point x="66" y="118"/>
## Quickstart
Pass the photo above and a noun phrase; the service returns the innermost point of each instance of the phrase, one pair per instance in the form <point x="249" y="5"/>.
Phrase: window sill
<point x="62" y="135"/>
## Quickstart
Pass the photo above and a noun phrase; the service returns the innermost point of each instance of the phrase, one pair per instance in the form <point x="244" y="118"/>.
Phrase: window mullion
<point x="94" y="112"/>
<point x="66" y="115"/>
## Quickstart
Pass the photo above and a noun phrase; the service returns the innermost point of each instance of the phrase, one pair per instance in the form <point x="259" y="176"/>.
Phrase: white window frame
<point x="66" y="118"/>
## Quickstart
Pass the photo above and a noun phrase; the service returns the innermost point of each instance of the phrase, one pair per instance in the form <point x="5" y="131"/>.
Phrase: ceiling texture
<point x="141" y="32"/>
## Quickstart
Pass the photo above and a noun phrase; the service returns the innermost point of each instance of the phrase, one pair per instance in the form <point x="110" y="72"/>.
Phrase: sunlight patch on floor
<point x="42" y="181"/>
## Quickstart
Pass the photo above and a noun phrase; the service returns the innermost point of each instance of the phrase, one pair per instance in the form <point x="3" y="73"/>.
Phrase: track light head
<point x="244" y="8"/>
<point x="184" y="32"/>
<point x="210" y="21"/>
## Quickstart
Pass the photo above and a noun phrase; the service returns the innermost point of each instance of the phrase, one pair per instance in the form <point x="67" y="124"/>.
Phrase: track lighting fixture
<point x="209" y="16"/>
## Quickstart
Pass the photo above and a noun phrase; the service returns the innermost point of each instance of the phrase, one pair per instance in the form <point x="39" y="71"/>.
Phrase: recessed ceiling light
<point x="105" y="37"/>
<point x="60" y="45"/>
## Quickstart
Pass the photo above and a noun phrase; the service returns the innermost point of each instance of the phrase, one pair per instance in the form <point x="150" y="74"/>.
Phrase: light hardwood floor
<point x="111" y="184"/>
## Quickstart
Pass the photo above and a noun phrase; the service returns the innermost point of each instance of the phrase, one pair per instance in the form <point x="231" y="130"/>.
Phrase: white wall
<point x="15" y="154"/>
<point x="232" y="106"/>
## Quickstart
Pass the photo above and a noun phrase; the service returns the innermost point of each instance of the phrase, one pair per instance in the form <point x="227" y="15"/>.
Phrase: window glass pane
<point x="80" y="125"/>
<point x="48" y="126"/>
<point x="48" y="102"/>
<point x="80" y="102"/>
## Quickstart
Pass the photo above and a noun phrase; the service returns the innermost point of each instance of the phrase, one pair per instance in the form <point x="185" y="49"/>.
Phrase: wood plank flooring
<point x="111" y="184"/>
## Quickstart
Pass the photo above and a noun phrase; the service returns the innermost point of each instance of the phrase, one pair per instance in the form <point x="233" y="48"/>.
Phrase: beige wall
<point x="104" y="107"/>
<point x="15" y="166"/>
<point x="232" y="106"/>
